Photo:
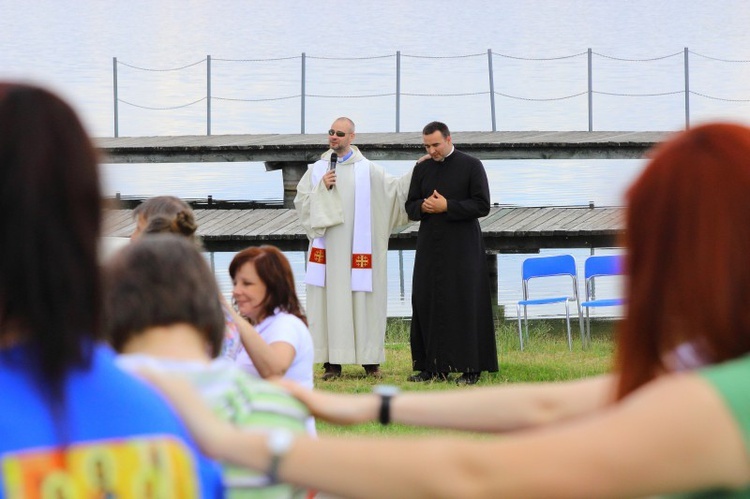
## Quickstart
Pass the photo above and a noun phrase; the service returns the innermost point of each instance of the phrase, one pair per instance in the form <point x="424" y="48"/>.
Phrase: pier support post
<point x="497" y="311"/>
<point x="291" y="174"/>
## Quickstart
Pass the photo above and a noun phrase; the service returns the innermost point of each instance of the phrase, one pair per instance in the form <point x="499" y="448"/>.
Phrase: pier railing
<point x="487" y="85"/>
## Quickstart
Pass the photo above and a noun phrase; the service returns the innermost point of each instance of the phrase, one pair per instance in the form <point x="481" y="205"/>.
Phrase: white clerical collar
<point x="453" y="148"/>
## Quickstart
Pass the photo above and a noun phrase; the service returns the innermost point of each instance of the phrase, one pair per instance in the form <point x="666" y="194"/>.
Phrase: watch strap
<point x="273" y="469"/>
<point x="384" y="416"/>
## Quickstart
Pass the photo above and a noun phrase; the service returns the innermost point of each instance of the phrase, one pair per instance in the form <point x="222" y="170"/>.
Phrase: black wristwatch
<point x="279" y="442"/>
<point x="386" y="392"/>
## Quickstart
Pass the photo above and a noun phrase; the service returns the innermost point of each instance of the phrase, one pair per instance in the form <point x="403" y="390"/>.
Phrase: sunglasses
<point x="333" y="132"/>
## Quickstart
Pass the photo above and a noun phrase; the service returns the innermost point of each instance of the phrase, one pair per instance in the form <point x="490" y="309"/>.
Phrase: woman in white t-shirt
<point x="269" y="318"/>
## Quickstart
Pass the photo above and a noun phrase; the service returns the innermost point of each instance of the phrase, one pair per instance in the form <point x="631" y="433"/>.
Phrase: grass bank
<point x="545" y="358"/>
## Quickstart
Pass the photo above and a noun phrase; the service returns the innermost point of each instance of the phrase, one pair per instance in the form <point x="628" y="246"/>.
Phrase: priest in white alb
<point x="348" y="209"/>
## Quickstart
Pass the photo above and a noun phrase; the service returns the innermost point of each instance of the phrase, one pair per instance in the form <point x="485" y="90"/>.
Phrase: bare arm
<point x="675" y="434"/>
<point x="488" y="409"/>
<point x="270" y="360"/>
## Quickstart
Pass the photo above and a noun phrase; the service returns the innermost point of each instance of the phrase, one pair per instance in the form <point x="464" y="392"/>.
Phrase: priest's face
<point x="339" y="144"/>
<point x="437" y="146"/>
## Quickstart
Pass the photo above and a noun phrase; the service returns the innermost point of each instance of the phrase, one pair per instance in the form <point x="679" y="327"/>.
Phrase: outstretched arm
<point x="674" y="434"/>
<point x="487" y="409"/>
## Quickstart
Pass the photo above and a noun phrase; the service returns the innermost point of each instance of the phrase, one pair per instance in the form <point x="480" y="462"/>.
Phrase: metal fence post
<point x="208" y="95"/>
<point x="591" y="94"/>
<point x="687" y="91"/>
<point x="302" y="99"/>
<point x="398" y="91"/>
<point x="114" y="86"/>
<point x="492" y="89"/>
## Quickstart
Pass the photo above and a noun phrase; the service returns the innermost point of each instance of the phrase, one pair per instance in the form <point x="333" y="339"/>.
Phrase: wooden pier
<point x="292" y="153"/>
<point x="377" y="146"/>
<point x="505" y="229"/>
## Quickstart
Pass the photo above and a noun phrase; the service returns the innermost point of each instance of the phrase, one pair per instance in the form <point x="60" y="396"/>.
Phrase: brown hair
<point x="274" y="270"/>
<point x="160" y="280"/>
<point x="167" y="214"/>
<point x="688" y="278"/>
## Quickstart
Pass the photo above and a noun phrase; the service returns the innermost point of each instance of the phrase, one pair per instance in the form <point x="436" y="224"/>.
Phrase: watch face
<point x="279" y="441"/>
<point x="389" y="390"/>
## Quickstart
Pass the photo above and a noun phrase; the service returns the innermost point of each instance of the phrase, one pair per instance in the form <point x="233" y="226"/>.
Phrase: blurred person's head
<point x="49" y="228"/>
<point x="160" y="281"/>
<point x="263" y="282"/>
<point x="162" y="214"/>
<point x="687" y="246"/>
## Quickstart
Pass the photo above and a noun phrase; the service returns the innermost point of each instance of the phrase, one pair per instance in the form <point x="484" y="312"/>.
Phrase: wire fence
<point x="489" y="90"/>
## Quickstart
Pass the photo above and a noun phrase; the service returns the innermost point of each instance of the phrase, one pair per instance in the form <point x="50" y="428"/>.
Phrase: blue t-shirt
<point x="119" y="437"/>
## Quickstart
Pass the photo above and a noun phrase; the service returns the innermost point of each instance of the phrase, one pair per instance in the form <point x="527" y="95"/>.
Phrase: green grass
<point x="545" y="358"/>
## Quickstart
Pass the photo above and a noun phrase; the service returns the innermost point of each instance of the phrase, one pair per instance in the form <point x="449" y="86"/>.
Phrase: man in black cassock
<point x="452" y="328"/>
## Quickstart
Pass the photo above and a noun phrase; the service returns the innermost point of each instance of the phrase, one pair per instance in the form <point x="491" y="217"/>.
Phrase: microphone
<point x="332" y="166"/>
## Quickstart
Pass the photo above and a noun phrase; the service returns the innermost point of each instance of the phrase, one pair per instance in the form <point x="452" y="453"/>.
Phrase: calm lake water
<point x="540" y="72"/>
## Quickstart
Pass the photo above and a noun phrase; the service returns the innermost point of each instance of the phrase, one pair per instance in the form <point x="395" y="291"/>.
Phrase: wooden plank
<point x="561" y="222"/>
<point x="587" y="222"/>
<point x="533" y="225"/>
<point x="378" y="146"/>
<point x="288" y="222"/>
<point x="496" y="219"/>
<point x="245" y="224"/>
<point x="513" y="215"/>
<point x="510" y="228"/>
<point x="225" y="225"/>
<point x="520" y="218"/>
<point x="120" y="222"/>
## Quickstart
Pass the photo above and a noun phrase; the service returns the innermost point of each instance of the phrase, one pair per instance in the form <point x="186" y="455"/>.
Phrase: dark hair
<point x="436" y="126"/>
<point x="50" y="203"/>
<point x="175" y="215"/>
<point x="274" y="270"/>
<point x="161" y="280"/>
<point x="688" y="278"/>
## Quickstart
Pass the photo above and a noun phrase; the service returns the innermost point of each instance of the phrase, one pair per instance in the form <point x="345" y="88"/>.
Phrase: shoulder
<point x="467" y="158"/>
<point x="423" y="166"/>
<point x="115" y="402"/>
<point x="732" y="380"/>
<point x="107" y="371"/>
<point x="374" y="167"/>
<point x="286" y="319"/>
<point x="284" y="326"/>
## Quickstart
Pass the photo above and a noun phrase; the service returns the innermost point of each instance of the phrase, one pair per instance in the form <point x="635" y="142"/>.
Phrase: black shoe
<point x="428" y="376"/>
<point x="332" y="371"/>
<point x="468" y="379"/>
<point x="373" y="370"/>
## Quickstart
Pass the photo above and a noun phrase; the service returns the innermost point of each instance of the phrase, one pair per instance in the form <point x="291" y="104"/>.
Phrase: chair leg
<point x="526" y="321"/>
<point x="567" y="321"/>
<point x="520" y="332"/>
<point x="588" y="324"/>
<point x="580" y="325"/>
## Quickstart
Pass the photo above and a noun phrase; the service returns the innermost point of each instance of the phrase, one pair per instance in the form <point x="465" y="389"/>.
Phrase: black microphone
<point x="332" y="166"/>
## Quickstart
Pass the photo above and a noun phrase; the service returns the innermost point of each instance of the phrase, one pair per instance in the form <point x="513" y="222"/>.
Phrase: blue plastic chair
<point x="548" y="266"/>
<point x="599" y="266"/>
